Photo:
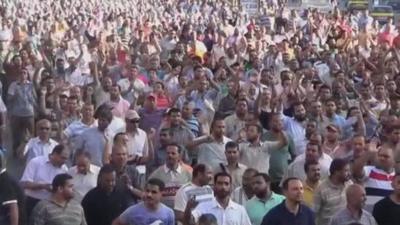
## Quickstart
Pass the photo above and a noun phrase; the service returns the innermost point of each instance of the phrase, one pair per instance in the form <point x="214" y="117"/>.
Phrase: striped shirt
<point x="50" y="212"/>
<point x="378" y="184"/>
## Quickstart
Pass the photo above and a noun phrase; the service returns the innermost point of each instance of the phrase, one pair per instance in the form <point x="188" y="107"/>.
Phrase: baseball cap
<point x="132" y="114"/>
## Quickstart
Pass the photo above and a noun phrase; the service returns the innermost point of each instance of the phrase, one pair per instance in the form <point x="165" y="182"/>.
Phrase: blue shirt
<point x="139" y="215"/>
<point x="280" y="215"/>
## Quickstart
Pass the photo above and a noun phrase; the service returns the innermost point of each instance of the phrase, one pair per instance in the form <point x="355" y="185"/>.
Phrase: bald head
<point x="355" y="195"/>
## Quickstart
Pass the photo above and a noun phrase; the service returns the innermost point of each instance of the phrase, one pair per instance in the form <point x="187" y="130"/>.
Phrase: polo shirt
<point x="140" y="215"/>
<point x="329" y="199"/>
<point x="173" y="180"/>
<point x="101" y="208"/>
<point x="257" y="208"/>
<point x="386" y="212"/>
<point x="10" y="193"/>
<point x="83" y="183"/>
<point x="50" y="212"/>
<point x="40" y="170"/>
<point x="344" y="217"/>
<point x="233" y="214"/>
<point x="280" y="215"/>
<point x="308" y="194"/>
<point x="378" y="184"/>
<point x="75" y="129"/>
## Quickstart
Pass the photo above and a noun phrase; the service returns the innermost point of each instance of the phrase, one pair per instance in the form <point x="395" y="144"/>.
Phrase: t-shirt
<point x="139" y="215"/>
<point x="386" y="212"/>
<point x="10" y="193"/>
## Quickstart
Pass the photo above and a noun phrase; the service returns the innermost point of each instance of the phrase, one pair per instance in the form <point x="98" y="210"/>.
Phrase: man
<point x="120" y="105"/>
<point x="354" y="212"/>
<point x="39" y="173"/>
<point x="331" y="117"/>
<point x="291" y="210"/>
<point x="387" y="210"/>
<point x="295" y="127"/>
<point x="222" y="207"/>
<point x="233" y="167"/>
<point x="127" y="176"/>
<point x="332" y="140"/>
<point x="377" y="178"/>
<point x="151" y="210"/>
<point x="192" y="122"/>
<point x="76" y="128"/>
<point x="94" y="139"/>
<point x="263" y="200"/>
<point x="330" y="196"/>
<point x="313" y="173"/>
<point x="104" y="203"/>
<point x="12" y="199"/>
<point x="84" y="175"/>
<point x="211" y="149"/>
<point x="198" y="187"/>
<point x="279" y="158"/>
<point x="313" y="153"/>
<point x="59" y="209"/>
<point x="173" y="174"/>
<point x="245" y="192"/>
<point x="42" y="145"/>
<point x="151" y="116"/>
<point x="236" y="122"/>
<point x="256" y="154"/>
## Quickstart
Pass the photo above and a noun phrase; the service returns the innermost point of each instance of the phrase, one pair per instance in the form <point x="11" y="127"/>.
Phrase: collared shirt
<point x="213" y="153"/>
<point x="120" y="107"/>
<point x="308" y="194"/>
<point x="233" y="126"/>
<point x="40" y="170"/>
<point x="296" y="168"/>
<point x="187" y="191"/>
<point x="75" y="129"/>
<point x="173" y="180"/>
<point x="329" y="199"/>
<point x="239" y="196"/>
<point x="257" y="208"/>
<point x="181" y="135"/>
<point x="138" y="146"/>
<point x="83" y="183"/>
<point x="297" y="132"/>
<point x="344" y="217"/>
<point x="50" y="212"/>
<point x="280" y="215"/>
<point x="36" y="147"/>
<point x="378" y="184"/>
<point x="233" y="214"/>
<point x="236" y="173"/>
<point x="93" y="141"/>
<point x="257" y="156"/>
<point x="23" y="99"/>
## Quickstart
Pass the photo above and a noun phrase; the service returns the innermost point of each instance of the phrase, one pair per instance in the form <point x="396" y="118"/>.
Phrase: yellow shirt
<point x="308" y="194"/>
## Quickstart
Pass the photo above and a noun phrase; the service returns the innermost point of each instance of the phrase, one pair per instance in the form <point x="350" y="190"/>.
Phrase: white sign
<point x="251" y="6"/>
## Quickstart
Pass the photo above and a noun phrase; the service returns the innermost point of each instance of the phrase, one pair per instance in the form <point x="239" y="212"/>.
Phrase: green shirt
<point x="279" y="158"/>
<point x="257" y="209"/>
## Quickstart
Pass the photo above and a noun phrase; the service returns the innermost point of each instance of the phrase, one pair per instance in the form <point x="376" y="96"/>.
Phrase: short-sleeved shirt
<point x="378" y="184"/>
<point x="93" y="141"/>
<point x="257" y="156"/>
<point x="24" y="99"/>
<point x="345" y="217"/>
<point x="257" y="208"/>
<point x="280" y="215"/>
<point x="83" y="183"/>
<point x="139" y="215"/>
<point x="50" y="212"/>
<point x="213" y="153"/>
<point x="10" y="193"/>
<point x="151" y="119"/>
<point x="36" y="147"/>
<point x="386" y="212"/>
<point x="187" y="191"/>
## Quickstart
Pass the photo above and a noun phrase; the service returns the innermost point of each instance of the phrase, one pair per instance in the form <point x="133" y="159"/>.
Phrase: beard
<point x="300" y="118"/>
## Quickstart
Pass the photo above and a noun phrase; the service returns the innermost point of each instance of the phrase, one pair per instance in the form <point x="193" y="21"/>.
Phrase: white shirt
<point x="40" y="170"/>
<point x="257" y="156"/>
<point x="36" y="147"/>
<point x="213" y="153"/>
<point x="138" y="145"/>
<point x="83" y="183"/>
<point x="77" y="127"/>
<point x="239" y="196"/>
<point x="233" y="214"/>
<point x="188" y="190"/>
<point x="297" y="132"/>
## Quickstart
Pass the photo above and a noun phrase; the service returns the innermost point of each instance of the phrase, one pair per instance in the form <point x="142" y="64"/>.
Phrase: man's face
<point x="44" y="129"/>
<point x="395" y="136"/>
<point x="187" y="111"/>
<point x="175" y="118"/>
<point x="72" y="104"/>
<point x="206" y="177"/>
<point x="68" y="190"/>
<point x="345" y="173"/>
<point x="396" y="184"/>
<point x="222" y="187"/>
<point x="82" y="164"/>
<point x="252" y="133"/>
<point x="103" y="123"/>
<point x="300" y="113"/>
<point x="316" y="108"/>
<point x="153" y="195"/>
<point x="173" y="156"/>
<point x="330" y="107"/>
<point x="260" y="187"/>
<point x="358" y="145"/>
<point x="60" y="159"/>
<point x="295" y="191"/>
<point x="107" y="181"/>
<point x="164" y="137"/>
<point x="114" y="92"/>
<point x="276" y="123"/>
<point x="314" y="172"/>
<point x="87" y="111"/>
<point x="119" y="156"/>
<point x="312" y="152"/>
<point x="107" y="83"/>
<point x="150" y="103"/>
<point x="385" y="158"/>
<point x="219" y="128"/>
<point x="232" y="155"/>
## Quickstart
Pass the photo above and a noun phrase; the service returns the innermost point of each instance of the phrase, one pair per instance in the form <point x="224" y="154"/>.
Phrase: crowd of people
<point x="196" y="112"/>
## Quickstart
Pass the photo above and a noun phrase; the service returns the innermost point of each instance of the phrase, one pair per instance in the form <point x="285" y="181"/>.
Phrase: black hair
<point x="285" y="184"/>
<point x="156" y="182"/>
<point x="104" y="111"/>
<point x="231" y="144"/>
<point x="222" y="174"/>
<point x="58" y="149"/>
<point x="168" y="130"/>
<point x="80" y="153"/>
<point x="337" y="165"/>
<point x="259" y="128"/>
<point x="117" y="135"/>
<point x="199" y="169"/>
<point x="265" y="176"/>
<point x="59" y="181"/>
<point x="106" y="169"/>
<point x="174" y="144"/>
<point x="173" y="110"/>
<point x="309" y="163"/>
<point x="207" y="218"/>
